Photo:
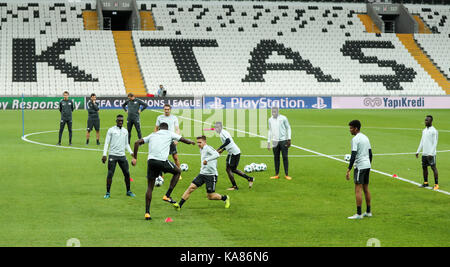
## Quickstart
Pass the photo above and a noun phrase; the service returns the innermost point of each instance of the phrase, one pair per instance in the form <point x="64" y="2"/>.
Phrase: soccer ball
<point x="347" y="157"/>
<point x="253" y="165"/>
<point x="248" y="168"/>
<point x="184" y="167"/>
<point x="159" y="181"/>
<point x="263" y="167"/>
<point x="258" y="168"/>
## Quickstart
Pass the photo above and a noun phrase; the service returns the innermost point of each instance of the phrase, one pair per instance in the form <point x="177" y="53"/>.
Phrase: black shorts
<point x="361" y="176"/>
<point x="173" y="149"/>
<point x="428" y="161"/>
<point x="93" y="124"/>
<point x="156" y="167"/>
<point x="209" y="180"/>
<point x="233" y="161"/>
<point x="123" y="164"/>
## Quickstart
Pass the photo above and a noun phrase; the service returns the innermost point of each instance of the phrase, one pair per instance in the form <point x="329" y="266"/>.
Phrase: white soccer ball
<point x="184" y="167"/>
<point x="347" y="157"/>
<point x="248" y="168"/>
<point x="263" y="167"/>
<point x="258" y="168"/>
<point x="159" y="181"/>
<point x="253" y="165"/>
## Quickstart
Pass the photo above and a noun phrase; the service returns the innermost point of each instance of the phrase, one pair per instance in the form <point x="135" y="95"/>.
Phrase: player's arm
<point x="73" y="105"/>
<point x="60" y="106"/>
<point x="177" y="128"/>
<point x="124" y="106"/>
<point x="435" y="142"/>
<point x="186" y="141"/>
<point x="352" y="158"/>
<point x="95" y="106"/>
<point x="288" y="132"/>
<point x="127" y="146"/>
<point x="222" y="147"/>
<point x="420" y="147"/>
<point x="137" y="144"/>
<point x="212" y="155"/>
<point x="143" y="104"/>
<point x="106" y="146"/>
<point x="370" y="155"/>
<point x="157" y="125"/>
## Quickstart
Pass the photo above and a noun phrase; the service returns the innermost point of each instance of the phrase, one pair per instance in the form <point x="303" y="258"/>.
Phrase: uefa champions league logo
<point x="320" y="104"/>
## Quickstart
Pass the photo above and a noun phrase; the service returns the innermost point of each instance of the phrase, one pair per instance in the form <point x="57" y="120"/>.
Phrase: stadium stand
<point x="221" y="48"/>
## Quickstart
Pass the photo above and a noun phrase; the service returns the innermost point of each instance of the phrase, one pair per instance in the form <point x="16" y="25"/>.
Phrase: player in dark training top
<point x="93" y="119"/>
<point x="134" y="111"/>
<point x="66" y="107"/>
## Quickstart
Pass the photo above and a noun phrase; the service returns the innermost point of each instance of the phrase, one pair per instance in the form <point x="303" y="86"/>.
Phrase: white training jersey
<point x="361" y="144"/>
<point x="429" y="141"/>
<point x="171" y="120"/>
<point x="232" y="148"/>
<point x="159" y="144"/>
<point x="279" y="129"/>
<point x="117" y="141"/>
<point x="209" y="154"/>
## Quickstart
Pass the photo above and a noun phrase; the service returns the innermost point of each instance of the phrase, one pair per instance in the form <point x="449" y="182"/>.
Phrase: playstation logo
<point x="320" y="104"/>
<point x="217" y="104"/>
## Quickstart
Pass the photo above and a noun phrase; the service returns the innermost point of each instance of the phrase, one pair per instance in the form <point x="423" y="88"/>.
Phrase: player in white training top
<point x="428" y="146"/>
<point x="174" y="126"/>
<point x="234" y="155"/>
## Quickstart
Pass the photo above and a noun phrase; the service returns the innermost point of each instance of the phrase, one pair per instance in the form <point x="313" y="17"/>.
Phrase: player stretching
<point x="428" y="145"/>
<point x="116" y="141"/>
<point x="280" y="137"/>
<point x="66" y="108"/>
<point x="93" y="119"/>
<point x="362" y="158"/>
<point x="134" y="111"/>
<point x="208" y="175"/>
<point x="174" y="126"/>
<point x="158" y="153"/>
<point x="234" y="155"/>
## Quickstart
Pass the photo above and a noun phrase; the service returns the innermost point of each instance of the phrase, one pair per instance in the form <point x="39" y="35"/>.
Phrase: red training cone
<point x="131" y="179"/>
<point x="169" y="220"/>
<point x="395" y="176"/>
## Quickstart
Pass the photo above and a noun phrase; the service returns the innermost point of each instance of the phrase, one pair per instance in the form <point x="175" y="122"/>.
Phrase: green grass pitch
<point x="49" y="195"/>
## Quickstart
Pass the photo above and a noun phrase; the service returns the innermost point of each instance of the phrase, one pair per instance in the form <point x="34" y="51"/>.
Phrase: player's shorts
<point x="209" y="180"/>
<point x="93" y="124"/>
<point x="123" y="164"/>
<point x="428" y="161"/>
<point x="361" y="176"/>
<point x="156" y="167"/>
<point x="173" y="149"/>
<point x="233" y="161"/>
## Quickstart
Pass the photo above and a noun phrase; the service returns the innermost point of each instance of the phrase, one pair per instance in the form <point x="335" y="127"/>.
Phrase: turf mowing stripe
<point x="317" y="153"/>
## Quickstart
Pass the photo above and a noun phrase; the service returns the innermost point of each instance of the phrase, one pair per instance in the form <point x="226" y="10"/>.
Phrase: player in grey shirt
<point x="362" y="159"/>
<point x="66" y="107"/>
<point x="208" y="175"/>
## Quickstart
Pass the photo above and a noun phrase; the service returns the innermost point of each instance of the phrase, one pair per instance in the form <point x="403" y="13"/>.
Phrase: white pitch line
<point x="257" y="135"/>
<point x="317" y="153"/>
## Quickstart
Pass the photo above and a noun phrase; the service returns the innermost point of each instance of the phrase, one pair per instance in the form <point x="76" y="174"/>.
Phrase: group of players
<point x="166" y="135"/>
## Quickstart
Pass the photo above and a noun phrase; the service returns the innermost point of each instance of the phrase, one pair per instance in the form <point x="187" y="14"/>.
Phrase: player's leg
<point x="284" y="153"/>
<point x="153" y="171"/>
<point x="62" y="124"/>
<point x="368" y="198"/>
<point x="436" y="176"/>
<point x="124" y="166"/>
<point x="137" y="125"/>
<point x="276" y="154"/>
<point x="69" y="126"/>
<point x="111" y="169"/>
<point x="129" y="128"/>
<point x="234" y="163"/>
<point x="148" y="197"/>
<point x="211" y="181"/>
<point x="88" y="132"/>
<point x="425" y="176"/>
<point x="97" y="130"/>
<point x="174" y="152"/>
<point x="192" y="187"/>
<point x="230" y="174"/>
<point x="170" y="167"/>
<point x="358" y="194"/>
